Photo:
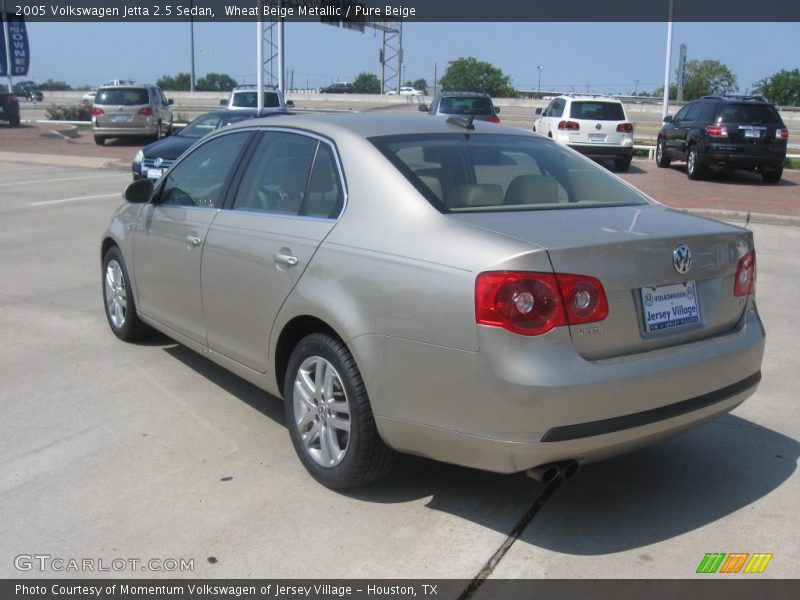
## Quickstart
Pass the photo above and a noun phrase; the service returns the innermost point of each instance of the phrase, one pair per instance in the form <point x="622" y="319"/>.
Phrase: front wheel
<point x="693" y="167"/>
<point x="118" y="299"/>
<point x="662" y="160"/>
<point x="329" y="416"/>
<point x="99" y="140"/>
<point x="773" y="176"/>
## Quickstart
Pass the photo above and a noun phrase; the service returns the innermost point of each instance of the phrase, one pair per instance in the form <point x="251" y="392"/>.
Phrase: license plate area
<point x="154" y="173"/>
<point x="597" y="138"/>
<point x="121" y="118"/>
<point x="752" y="133"/>
<point x="668" y="306"/>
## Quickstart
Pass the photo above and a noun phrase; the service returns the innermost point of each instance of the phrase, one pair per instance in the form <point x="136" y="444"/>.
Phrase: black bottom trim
<point x="582" y="430"/>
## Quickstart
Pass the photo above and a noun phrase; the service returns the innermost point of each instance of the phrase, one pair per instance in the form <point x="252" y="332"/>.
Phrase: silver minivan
<point x="130" y="110"/>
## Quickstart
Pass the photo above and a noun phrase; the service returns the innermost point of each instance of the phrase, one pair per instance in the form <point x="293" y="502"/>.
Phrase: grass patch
<point x="792" y="163"/>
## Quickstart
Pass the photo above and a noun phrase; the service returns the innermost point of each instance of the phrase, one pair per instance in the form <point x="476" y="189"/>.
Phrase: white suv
<point x="596" y="126"/>
<point x="246" y="96"/>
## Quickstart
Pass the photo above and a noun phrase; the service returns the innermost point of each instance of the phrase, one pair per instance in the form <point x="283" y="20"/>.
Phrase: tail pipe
<point x="552" y="471"/>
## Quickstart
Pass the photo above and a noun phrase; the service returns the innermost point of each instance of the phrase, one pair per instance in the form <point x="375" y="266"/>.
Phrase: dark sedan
<point x="152" y="160"/>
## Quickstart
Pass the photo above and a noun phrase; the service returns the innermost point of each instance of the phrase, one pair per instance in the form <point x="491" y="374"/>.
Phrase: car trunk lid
<point x="630" y="250"/>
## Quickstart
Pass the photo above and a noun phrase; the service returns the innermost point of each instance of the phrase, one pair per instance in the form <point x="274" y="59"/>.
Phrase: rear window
<point x="748" y="113"/>
<point x="205" y="125"/>
<point x="485" y="172"/>
<point x="453" y="105"/>
<point x="250" y="100"/>
<point x="597" y="111"/>
<point x="122" y="96"/>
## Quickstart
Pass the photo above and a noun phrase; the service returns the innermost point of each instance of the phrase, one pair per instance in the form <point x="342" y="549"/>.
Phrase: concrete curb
<point x="745" y="218"/>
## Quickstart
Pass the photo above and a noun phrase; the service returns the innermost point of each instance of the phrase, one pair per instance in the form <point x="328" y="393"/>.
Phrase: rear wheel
<point x="329" y="416"/>
<point x="623" y="164"/>
<point x="662" y="160"/>
<point x="14" y="121"/>
<point x="693" y="167"/>
<point x="99" y="140"/>
<point x="772" y="176"/>
<point x="159" y="133"/>
<point x="118" y="299"/>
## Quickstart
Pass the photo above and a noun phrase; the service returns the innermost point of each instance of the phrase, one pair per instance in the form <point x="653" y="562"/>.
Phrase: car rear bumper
<point x="737" y="156"/>
<point x="522" y="402"/>
<point x="603" y="151"/>
<point x="148" y="130"/>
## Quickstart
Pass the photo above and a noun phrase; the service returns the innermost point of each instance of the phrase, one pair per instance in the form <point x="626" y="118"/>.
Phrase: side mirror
<point x="170" y="101"/>
<point x="290" y="103"/>
<point x="538" y="111"/>
<point x="423" y="108"/>
<point x="497" y="109"/>
<point x="139" y="191"/>
<point x="223" y="102"/>
<point x="668" y="119"/>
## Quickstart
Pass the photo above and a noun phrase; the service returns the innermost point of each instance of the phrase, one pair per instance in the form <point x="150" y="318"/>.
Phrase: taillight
<point x="531" y="303"/>
<point x="147" y="111"/>
<point x="569" y="125"/>
<point x="745" y="283"/>
<point x="716" y="131"/>
<point x="492" y="119"/>
<point x="96" y="112"/>
<point x="625" y="128"/>
<point x="782" y="134"/>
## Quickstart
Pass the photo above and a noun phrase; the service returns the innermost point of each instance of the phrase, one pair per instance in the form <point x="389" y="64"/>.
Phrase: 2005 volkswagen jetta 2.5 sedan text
<point x="468" y="292"/>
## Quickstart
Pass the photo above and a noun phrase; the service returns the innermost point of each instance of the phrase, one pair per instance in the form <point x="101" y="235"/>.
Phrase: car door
<point x="168" y="241"/>
<point x="676" y="137"/>
<point x="287" y="202"/>
<point x="543" y="126"/>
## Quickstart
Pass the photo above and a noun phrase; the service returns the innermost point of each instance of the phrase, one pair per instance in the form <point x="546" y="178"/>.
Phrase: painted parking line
<point x="31" y="181"/>
<point x="76" y="199"/>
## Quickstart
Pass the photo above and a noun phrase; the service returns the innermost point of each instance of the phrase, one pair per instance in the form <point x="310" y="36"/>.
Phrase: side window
<point x="681" y="116"/>
<point x="277" y="176"/>
<point x="693" y="113"/>
<point x="708" y="111"/>
<point x="200" y="179"/>
<point x="549" y="110"/>
<point x="325" y="194"/>
<point x="558" y="108"/>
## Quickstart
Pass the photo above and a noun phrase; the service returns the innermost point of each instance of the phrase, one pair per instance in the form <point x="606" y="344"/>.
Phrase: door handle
<point x="287" y="260"/>
<point x="193" y="241"/>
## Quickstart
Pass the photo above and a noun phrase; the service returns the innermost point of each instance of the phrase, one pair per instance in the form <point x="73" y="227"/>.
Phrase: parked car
<point x="736" y="132"/>
<point x="462" y="103"/>
<point x="152" y="160"/>
<point x="88" y="98"/>
<point x="246" y="97"/>
<point x="405" y="91"/>
<point x="29" y="91"/>
<point x="468" y="292"/>
<point x="9" y="108"/>
<point x="341" y="87"/>
<point x="130" y="110"/>
<point x="596" y="126"/>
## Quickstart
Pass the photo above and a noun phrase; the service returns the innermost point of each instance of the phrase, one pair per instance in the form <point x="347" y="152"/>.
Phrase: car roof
<point x="592" y="97"/>
<point x="126" y="86"/>
<point x="463" y="93"/>
<point x="369" y="125"/>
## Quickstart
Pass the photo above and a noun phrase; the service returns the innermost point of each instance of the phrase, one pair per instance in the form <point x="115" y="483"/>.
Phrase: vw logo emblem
<point x="598" y="126"/>
<point x="682" y="259"/>
<point x="158" y="162"/>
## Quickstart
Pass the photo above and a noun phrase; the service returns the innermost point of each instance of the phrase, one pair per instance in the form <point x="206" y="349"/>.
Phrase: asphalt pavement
<point x="149" y="451"/>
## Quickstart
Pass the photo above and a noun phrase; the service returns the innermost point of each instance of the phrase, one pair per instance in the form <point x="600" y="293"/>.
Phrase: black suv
<point x="9" y="108"/>
<point x="338" y="88"/>
<point x="463" y="103"/>
<point x="29" y="91"/>
<point x="738" y="132"/>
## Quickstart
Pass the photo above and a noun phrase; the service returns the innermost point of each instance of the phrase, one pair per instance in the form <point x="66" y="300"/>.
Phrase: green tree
<point x="182" y="82"/>
<point x="216" y="82"/>
<point x="367" y="83"/>
<point x="55" y="86"/>
<point x="421" y="85"/>
<point x="782" y="88"/>
<point x="707" y="77"/>
<point x="472" y="74"/>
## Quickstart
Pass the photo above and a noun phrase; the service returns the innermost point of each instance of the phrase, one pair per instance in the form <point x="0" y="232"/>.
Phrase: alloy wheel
<point x="116" y="294"/>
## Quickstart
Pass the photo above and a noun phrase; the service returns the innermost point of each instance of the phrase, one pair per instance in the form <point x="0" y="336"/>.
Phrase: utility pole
<point x="539" y="87"/>
<point x="636" y="93"/>
<point x="259" y="60"/>
<point x="191" y="45"/>
<point x="665" y="106"/>
<point x="435" y="82"/>
<point x="6" y="44"/>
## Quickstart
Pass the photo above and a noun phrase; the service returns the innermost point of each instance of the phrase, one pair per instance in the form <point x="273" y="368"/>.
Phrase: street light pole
<point x="665" y="106"/>
<point x="539" y="88"/>
<point x="191" y="34"/>
<point x="636" y="92"/>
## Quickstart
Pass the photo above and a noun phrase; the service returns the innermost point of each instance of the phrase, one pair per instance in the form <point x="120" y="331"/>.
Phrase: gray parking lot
<point x="149" y="451"/>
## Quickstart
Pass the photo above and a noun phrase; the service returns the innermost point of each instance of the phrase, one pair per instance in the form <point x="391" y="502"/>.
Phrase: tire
<point x="623" y="164"/>
<point x="772" y="176"/>
<point x="349" y="453"/>
<point x="99" y="140"/>
<point x="158" y="131"/>
<point x="694" y="169"/>
<point x="14" y="121"/>
<point x="662" y="160"/>
<point x="119" y="304"/>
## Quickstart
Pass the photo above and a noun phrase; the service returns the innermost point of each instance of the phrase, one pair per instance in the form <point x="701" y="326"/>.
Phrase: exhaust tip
<point x="570" y="469"/>
<point x="544" y="473"/>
